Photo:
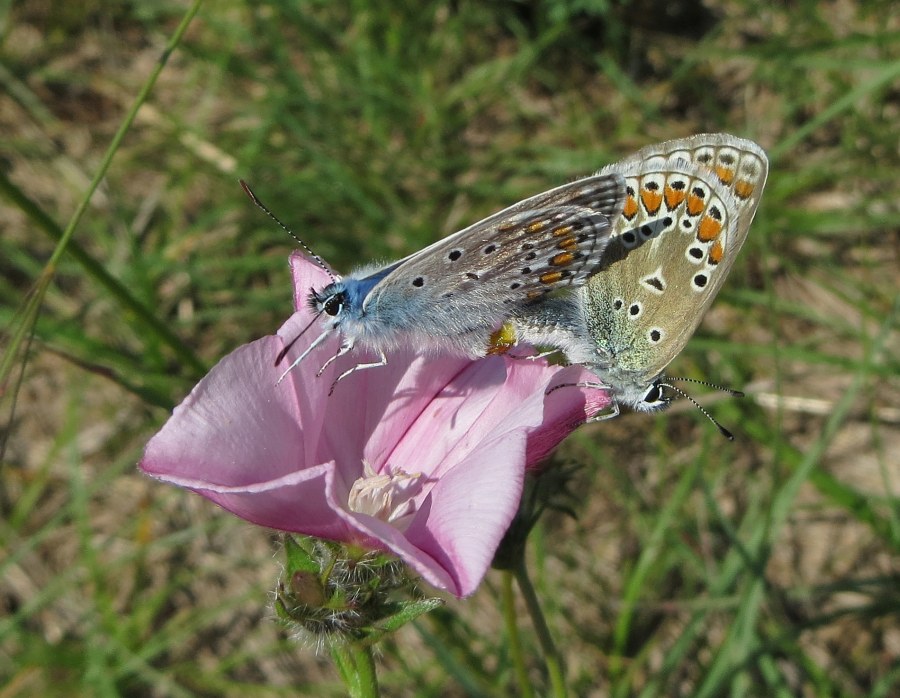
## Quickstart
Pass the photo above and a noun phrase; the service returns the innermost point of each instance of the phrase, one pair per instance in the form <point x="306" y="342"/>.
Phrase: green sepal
<point x="299" y="559"/>
<point x="409" y="611"/>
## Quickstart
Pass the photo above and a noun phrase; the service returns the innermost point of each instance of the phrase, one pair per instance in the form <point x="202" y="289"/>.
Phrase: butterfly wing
<point x="689" y="205"/>
<point x="470" y="281"/>
<point x="739" y="164"/>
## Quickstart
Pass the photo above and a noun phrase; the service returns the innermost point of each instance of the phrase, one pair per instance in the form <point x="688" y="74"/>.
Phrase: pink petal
<point x="474" y="444"/>
<point x="235" y="427"/>
<point x="565" y="409"/>
<point x="469" y="510"/>
<point x="239" y="440"/>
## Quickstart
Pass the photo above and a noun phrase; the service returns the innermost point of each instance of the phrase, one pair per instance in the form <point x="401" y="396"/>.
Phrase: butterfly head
<point x="652" y="397"/>
<point x="331" y="300"/>
<point x="644" y="397"/>
<point x="341" y="301"/>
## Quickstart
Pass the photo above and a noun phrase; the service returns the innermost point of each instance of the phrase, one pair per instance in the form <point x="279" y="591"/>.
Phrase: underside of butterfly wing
<point x="463" y="287"/>
<point x="671" y="250"/>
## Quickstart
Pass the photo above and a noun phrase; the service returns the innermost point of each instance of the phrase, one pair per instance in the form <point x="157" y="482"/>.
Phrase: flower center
<point x="387" y="496"/>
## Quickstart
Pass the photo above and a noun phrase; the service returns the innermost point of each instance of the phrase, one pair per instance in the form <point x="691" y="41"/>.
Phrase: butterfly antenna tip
<point x="722" y="430"/>
<point x="255" y="199"/>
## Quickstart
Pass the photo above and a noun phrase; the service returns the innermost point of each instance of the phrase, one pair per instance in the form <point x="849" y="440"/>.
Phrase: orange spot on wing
<point x="651" y="200"/>
<point x="562" y="230"/>
<point x="716" y="252"/>
<point x="551" y="277"/>
<point x="695" y="205"/>
<point x="725" y="174"/>
<point x="537" y="226"/>
<point x="567" y="244"/>
<point x="630" y="209"/>
<point x="743" y="189"/>
<point x="709" y="229"/>
<point x="674" y="197"/>
<point x="562" y="259"/>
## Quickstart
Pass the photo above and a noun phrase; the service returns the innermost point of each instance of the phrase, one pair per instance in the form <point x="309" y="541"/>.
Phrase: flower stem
<point x="551" y="654"/>
<point x="515" y="639"/>
<point x="365" y="670"/>
<point x="356" y="666"/>
<point x="343" y="663"/>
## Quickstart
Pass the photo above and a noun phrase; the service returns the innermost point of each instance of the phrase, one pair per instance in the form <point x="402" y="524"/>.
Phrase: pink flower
<point x="424" y="457"/>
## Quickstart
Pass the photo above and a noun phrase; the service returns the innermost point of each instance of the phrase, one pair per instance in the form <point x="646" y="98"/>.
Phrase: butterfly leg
<point x="594" y="386"/>
<point x="359" y="367"/>
<point x="599" y="417"/>
<point x="602" y="417"/>
<point x="534" y="357"/>
<point x="343" y="349"/>
<point x="321" y="338"/>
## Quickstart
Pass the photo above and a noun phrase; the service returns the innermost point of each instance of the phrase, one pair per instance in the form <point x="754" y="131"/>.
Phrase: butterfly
<point x="688" y="208"/>
<point x="452" y="295"/>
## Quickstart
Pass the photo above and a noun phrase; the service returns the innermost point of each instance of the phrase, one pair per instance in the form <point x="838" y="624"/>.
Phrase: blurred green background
<point x="696" y="567"/>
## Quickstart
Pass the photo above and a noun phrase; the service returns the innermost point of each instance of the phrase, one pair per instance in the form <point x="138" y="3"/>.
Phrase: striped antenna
<point x="730" y="391"/>
<point x="316" y="258"/>
<point x="727" y="434"/>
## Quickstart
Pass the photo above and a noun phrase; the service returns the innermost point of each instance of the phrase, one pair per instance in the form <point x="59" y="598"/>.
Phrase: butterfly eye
<point x="334" y="304"/>
<point x="654" y="395"/>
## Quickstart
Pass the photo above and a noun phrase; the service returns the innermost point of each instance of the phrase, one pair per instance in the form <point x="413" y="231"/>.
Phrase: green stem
<point x="356" y="665"/>
<point x="551" y="654"/>
<point x="515" y="638"/>
<point x="365" y="671"/>
<point x="43" y="282"/>
<point x="343" y="662"/>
